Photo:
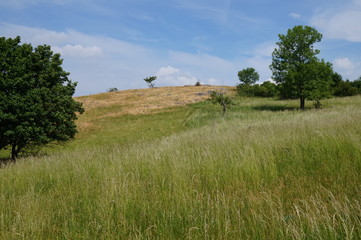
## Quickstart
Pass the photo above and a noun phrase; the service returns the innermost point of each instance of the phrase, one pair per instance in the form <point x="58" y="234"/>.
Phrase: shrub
<point x="114" y="89"/>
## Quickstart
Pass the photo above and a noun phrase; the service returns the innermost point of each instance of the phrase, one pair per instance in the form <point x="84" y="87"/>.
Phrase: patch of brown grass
<point x="151" y="100"/>
<point x="140" y="101"/>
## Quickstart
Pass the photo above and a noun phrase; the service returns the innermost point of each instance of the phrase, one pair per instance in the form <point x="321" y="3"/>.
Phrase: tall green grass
<point x="265" y="171"/>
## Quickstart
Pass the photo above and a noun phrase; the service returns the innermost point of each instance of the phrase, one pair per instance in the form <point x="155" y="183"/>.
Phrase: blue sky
<point x="118" y="43"/>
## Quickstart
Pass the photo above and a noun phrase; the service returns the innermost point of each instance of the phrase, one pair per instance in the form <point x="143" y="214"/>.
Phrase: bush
<point x="245" y="90"/>
<point x="114" y="89"/>
<point x="345" y="88"/>
<point x="219" y="98"/>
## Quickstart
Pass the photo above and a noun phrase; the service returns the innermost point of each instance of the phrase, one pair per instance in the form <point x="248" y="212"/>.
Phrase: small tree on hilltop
<point x="224" y="101"/>
<point x="150" y="80"/>
<point x="36" y="104"/>
<point x="248" y="76"/>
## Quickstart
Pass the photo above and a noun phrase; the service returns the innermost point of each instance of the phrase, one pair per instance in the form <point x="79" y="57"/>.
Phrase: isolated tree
<point x="293" y="61"/>
<point x="224" y="101"/>
<point x="150" y="80"/>
<point x="248" y="76"/>
<point x="36" y="104"/>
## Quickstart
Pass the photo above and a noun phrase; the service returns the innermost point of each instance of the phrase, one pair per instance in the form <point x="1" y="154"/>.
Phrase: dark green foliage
<point x="336" y="79"/>
<point x="357" y="84"/>
<point x="341" y="88"/>
<point x="245" y="90"/>
<point x="318" y="87"/>
<point x="266" y="89"/>
<point x="114" y="89"/>
<point x="345" y="88"/>
<point x="248" y="76"/>
<point x="36" y="104"/>
<point x="150" y="80"/>
<point x="219" y="98"/>
<point x="297" y="70"/>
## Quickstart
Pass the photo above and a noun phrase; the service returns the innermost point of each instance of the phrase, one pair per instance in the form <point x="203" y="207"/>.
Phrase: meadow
<point x="177" y="169"/>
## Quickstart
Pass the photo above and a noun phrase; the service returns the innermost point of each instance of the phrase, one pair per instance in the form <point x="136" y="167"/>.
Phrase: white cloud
<point x="265" y="49"/>
<point x="260" y="59"/>
<point x="213" y="81"/>
<point x="98" y="63"/>
<point x="340" y="23"/>
<point x="171" y="76"/>
<point x="205" y="67"/>
<point x="78" y="50"/>
<point x="347" y="68"/>
<point x="344" y="63"/>
<point x="166" y="71"/>
<point x="201" y="60"/>
<point x="295" y="15"/>
<point x="95" y="62"/>
<point x="261" y="64"/>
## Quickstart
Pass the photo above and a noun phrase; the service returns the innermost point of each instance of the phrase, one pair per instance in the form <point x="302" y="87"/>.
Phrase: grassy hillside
<point x="264" y="171"/>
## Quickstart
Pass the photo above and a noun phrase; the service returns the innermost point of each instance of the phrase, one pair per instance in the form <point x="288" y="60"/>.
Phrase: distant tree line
<point x="343" y="88"/>
<point x="268" y="89"/>
<point x="297" y="72"/>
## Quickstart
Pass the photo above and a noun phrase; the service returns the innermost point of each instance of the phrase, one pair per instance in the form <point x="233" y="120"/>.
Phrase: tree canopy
<point x="36" y="104"/>
<point x="150" y="80"/>
<point x="297" y="70"/>
<point x="248" y="76"/>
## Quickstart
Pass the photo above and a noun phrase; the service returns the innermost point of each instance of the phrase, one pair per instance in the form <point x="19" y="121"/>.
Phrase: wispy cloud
<point x="19" y="4"/>
<point x="340" y="23"/>
<point x="295" y="15"/>
<point x="264" y="49"/>
<point x="99" y="62"/>
<point x="219" y="12"/>
<point x="347" y="68"/>
<point x="78" y="51"/>
<point x="171" y="76"/>
<point x="211" y="9"/>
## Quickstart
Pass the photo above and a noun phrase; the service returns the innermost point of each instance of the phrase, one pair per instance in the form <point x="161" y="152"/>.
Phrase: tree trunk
<point x="14" y="152"/>
<point x="224" y="108"/>
<point x="302" y="103"/>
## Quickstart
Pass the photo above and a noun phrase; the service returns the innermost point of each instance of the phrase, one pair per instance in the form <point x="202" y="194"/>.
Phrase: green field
<point x="264" y="171"/>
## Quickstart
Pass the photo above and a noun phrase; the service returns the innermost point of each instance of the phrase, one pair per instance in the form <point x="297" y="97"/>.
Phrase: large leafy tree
<point x="296" y="68"/>
<point x="36" y="104"/>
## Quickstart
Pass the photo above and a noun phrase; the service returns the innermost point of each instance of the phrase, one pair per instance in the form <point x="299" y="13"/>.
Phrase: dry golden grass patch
<point x="151" y="100"/>
<point x="140" y="101"/>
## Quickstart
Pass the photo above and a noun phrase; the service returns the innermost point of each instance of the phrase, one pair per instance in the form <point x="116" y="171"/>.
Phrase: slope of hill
<point x="142" y="101"/>
<point x="264" y="171"/>
<point x="140" y="113"/>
